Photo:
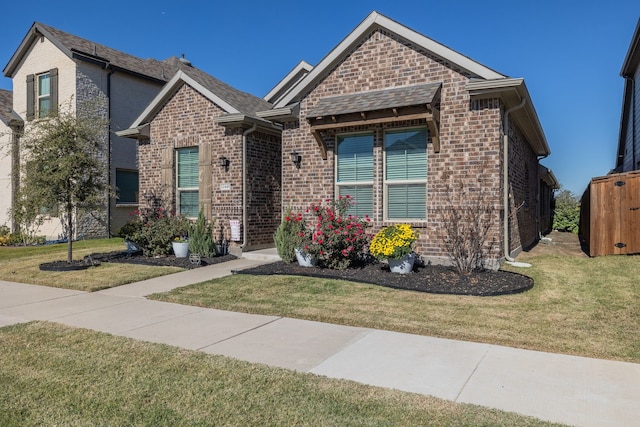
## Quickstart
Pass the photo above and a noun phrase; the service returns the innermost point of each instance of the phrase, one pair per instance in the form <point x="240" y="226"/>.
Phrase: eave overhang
<point x="548" y="177"/>
<point x="244" y="121"/>
<point x="511" y="92"/>
<point x="138" y="132"/>
<point x="281" y="115"/>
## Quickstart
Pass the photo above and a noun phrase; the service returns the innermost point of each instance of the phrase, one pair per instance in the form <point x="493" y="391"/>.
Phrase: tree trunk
<point x="70" y="236"/>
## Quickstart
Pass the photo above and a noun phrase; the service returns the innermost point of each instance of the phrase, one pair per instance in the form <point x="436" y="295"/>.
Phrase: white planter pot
<point x="403" y="265"/>
<point x="131" y="247"/>
<point x="305" y="259"/>
<point x="180" y="249"/>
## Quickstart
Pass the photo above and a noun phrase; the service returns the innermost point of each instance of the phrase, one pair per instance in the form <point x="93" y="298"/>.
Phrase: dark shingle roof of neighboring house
<point x="376" y="100"/>
<point x="6" y="106"/>
<point x="83" y="49"/>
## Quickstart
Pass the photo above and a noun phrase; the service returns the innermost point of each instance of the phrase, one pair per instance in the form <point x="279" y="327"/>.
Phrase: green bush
<point x="287" y="236"/>
<point x="566" y="215"/>
<point x="201" y="237"/>
<point x="153" y="230"/>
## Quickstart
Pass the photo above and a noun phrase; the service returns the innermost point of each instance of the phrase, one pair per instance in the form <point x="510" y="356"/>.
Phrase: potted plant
<point x="293" y="240"/>
<point x="180" y="246"/>
<point x="395" y="244"/>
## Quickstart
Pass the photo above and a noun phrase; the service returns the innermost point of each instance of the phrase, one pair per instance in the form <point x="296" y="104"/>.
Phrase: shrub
<point x="338" y="239"/>
<point x="566" y="215"/>
<point x="153" y="230"/>
<point x="467" y="219"/>
<point x="291" y="234"/>
<point x="394" y="241"/>
<point x="201" y="237"/>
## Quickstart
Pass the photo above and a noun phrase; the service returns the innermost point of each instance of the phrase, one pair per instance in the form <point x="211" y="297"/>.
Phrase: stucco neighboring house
<point x="10" y="125"/>
<point x="52" y="68"/>
<point x="201" y="145"/>
<point x="628" y="158"/>
<point x="396" y="120"/>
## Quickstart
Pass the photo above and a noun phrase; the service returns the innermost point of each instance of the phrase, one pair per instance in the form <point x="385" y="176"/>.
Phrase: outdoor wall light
<point x="296" y="159"/>
<point x="224" y="162"/>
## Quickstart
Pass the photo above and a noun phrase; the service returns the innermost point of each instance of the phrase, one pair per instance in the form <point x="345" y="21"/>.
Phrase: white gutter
<point x="505" y="178"/>
<point x="244" y="184"/>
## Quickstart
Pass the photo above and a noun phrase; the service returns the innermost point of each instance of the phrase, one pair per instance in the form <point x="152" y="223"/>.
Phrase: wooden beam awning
<point x="376" y="107"/>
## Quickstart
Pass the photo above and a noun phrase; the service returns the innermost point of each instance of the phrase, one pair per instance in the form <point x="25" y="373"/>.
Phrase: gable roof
<point x="289" y="81"/>
<point x="234" y="102"/>
<point x="7" y="116"/>
<point x="373" y="22"/>
<point x="85" y="50"/>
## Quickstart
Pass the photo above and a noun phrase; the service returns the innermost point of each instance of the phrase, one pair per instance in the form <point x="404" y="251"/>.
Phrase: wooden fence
<point x="610" y="222"/>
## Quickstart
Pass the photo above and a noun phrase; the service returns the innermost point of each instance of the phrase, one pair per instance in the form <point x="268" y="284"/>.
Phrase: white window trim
<point x="386" y="182"/>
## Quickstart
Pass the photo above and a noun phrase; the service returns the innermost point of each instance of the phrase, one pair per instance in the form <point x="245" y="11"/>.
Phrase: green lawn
<point x="20" y="264"/>
<point x="581" y="306"/>
<point x="56" y="375"/>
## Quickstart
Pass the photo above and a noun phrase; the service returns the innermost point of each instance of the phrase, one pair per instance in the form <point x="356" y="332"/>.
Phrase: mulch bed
<point x="427" y="278"/>
<point x="424" y="278"/>
<point x="131" y="258"/>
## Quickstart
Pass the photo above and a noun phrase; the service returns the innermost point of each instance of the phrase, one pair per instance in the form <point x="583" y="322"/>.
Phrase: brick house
<point x="396" y="120"/>
<point x="51" y="68"/>
<point x="201" y="145"/>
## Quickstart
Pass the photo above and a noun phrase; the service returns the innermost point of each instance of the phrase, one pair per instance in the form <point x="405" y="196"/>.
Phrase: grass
<point x="581" y="306"/>
<point x="20" y="264"/>
<point x="56" y="375"/>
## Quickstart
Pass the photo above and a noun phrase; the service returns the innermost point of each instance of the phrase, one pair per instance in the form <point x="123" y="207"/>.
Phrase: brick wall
<point x="470" y="135"/>
<point x="186" y="120"/>
<point x="523" y="182"/>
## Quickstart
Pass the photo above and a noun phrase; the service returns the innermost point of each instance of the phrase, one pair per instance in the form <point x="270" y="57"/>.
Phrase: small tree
<point x="566" y="215"/>
<point x="66" y="163"/>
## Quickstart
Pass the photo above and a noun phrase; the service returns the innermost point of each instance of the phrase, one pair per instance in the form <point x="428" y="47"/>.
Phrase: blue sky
<point x="569" y="52"/>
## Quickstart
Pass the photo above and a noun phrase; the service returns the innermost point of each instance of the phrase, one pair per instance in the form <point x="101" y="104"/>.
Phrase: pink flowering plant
<point x="337" y="239"/>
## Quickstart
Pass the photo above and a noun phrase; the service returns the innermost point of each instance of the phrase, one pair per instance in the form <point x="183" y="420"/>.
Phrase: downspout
<point x="505" y="178"/>
<point x="244" y="184"/>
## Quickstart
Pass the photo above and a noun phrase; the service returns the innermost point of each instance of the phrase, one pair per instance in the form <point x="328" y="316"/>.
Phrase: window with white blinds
<point x="187" y="181"/>
<point x="354" y="171"/>
<point x="405" y="174"/>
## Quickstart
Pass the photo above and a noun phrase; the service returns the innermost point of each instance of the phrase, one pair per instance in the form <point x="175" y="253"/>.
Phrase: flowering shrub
<point x="337" y="239"/>
<point x="154" y="229"/>
<point x="292" y="233"/>
<point x="394" y="241"/>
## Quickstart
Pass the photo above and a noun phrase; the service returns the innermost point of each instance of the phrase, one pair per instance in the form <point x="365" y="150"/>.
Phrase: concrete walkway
<point x="567" y="389"/>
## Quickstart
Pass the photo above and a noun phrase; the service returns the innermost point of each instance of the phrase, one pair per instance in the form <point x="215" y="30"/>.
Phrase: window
<point x="354" y="171"/>
<point x="127" y="186"/>
<point x="44" y="95"/>
<point x="187" y="181"/>
<point x="405" y="174"/>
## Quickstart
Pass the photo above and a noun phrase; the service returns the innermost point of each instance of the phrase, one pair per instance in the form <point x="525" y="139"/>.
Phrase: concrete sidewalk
<point x="567" y="389"/>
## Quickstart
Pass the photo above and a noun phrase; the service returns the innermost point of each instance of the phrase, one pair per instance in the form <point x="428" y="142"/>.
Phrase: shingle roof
<point x="242" y="101"/>
<point x="74" y="46"/>
<point x="6" y="106"/>
<point x="161" y="70"/>
<point x="376" y="100"/>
